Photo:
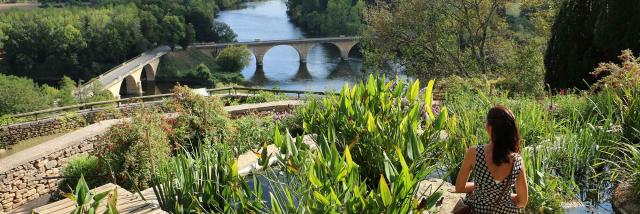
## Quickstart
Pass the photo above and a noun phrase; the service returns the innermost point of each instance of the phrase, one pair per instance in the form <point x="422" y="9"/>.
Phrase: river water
<point x="267" y="20"/>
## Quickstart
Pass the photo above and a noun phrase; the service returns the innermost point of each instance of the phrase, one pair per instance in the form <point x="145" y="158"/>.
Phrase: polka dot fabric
<point x="490" y="196"/>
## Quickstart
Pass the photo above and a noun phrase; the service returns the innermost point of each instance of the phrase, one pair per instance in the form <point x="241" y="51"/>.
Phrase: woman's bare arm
<point x="521" y="198"/>
<point x="462" y="184"/>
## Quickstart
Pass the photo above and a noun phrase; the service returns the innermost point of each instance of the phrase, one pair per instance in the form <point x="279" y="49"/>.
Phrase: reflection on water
<point x="267" y="20"/>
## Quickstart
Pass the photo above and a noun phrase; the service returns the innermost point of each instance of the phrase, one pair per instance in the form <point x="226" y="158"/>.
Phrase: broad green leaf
<point x="314" y="179"/>
<point x="277" y="138"/>
<point x="98" y="197"/>
<point x="321" y="198"/>
<point x="442" y="119"/>
<point x="403" y="163"/>
<point x="414" y="90"/>
<point x="397" y="91"/>
<point x="344" y="171"/>
<point x="432" y="200"/>
<point x="334" y="197"/>
<point x="82" y="191"/>
<point x="275" y="206"/>
<point x="371" y="86"/>
<point x="347" y="157"/>
<point x="385" y="193"/>
<point x="112" y="203"/>
<point x="389" y="169"/>
<point x="428" y="99"/>
<point x="371" y="122"/>
<point x="234" y="168"/>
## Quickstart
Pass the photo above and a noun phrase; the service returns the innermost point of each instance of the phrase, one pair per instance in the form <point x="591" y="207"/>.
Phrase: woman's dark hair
<point x="504" y="134"/>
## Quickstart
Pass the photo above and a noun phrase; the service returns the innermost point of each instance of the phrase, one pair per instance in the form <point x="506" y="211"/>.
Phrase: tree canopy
<point x="439" y="38"/>
<point x="327" y="17"/>
<point x="84" y="41"/>
<point x="586" y="33"/>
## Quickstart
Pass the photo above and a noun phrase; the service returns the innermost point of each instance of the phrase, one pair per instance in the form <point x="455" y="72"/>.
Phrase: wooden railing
<point x="24" y="117"/>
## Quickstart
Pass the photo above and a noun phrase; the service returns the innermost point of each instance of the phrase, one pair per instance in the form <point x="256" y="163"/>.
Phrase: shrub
<point x="378" y="116"/>
<point x="252" y="131"/>
<point x="31" y="97"/>
<point x="234" y="58"/>
<point x="78" y="166"/>
<point x="265" y="96"/>
<point x="624" y="81"/>
<point x="200" y="119"/>
<point x="133" y="148"/>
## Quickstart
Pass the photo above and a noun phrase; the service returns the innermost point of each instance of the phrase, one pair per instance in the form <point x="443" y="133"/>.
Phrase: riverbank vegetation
<point x="234" y="58"/>
<point x="82" y="42"/>
<point x="327" y="17"/>
<point x="194" y="66"/>
<point x="21" y="95"/>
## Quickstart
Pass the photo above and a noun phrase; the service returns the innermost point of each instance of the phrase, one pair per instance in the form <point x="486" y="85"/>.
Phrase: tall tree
<point x="587" y="32"/>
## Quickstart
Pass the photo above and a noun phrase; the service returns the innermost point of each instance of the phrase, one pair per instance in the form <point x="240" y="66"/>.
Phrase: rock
<point x="41" y="164"/>
<point x="449" y="198"/>
<point x="624" y="201"/>
<point x="52" y="164"/>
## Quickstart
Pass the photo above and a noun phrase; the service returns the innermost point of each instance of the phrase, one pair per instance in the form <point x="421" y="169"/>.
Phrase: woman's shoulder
<point x="473" y="150"/>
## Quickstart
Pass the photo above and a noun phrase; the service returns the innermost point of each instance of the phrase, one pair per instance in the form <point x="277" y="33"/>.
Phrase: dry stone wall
<point x="31" y="180"/>
<point x="12" y="134"/>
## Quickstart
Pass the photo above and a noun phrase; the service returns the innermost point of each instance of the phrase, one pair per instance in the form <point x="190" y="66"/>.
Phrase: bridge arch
<point x="130" y="86"/>
<point x="148" y="73"/>
<point x="301" y="53"/>
<point x="333" y="48"/>
<point x="356" y="51"/>
<point x="345" y="48"/>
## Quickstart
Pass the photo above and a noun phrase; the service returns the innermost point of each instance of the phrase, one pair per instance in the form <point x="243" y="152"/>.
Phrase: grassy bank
<point x="182" y="66"/>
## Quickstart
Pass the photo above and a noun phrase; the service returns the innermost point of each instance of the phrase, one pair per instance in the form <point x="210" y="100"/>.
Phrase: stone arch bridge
<point x="302" y="46"/>
<point x="127" y="78"/>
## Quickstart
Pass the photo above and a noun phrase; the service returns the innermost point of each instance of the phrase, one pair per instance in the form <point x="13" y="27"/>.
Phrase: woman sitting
<point x="497" y="168"/>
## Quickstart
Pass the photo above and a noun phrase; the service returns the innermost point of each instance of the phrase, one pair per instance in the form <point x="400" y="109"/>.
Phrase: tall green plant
<point x="329" y="181"/>
<point x="205" y="181"/>
<point x="378" y="116"/>
<point x="87" y="202"/>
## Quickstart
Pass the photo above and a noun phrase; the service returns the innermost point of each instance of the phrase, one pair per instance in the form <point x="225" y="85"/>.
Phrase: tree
<point x="234" y="58"/>
<point x="189" y="37"/>
<point x="586" y="33"/>
<point x="30" y="99"/>
<point x="174" y="30"/>
<point x="437" y="38"/>
<point x="66" y="96"/>
<point x="327" y="17"/>
<point x="223" y="33"/>
<point x="204" y="74"/>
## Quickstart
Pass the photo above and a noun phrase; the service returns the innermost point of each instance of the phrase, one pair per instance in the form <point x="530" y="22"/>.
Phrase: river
<point x="268" y="20"/>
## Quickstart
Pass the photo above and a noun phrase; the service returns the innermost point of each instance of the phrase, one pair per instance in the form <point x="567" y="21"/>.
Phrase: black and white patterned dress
<point x="490" y="196"/>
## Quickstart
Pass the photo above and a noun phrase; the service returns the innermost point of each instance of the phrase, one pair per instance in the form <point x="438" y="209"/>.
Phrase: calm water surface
<point x="267" y="20"/>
